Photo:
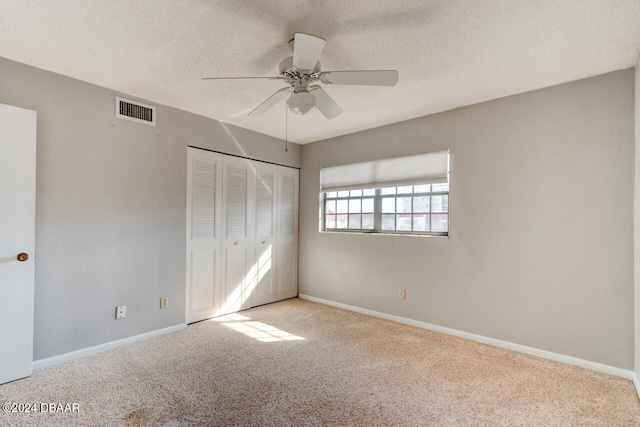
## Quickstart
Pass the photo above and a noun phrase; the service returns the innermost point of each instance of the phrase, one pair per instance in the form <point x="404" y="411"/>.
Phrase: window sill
<point x="382" y="233"/>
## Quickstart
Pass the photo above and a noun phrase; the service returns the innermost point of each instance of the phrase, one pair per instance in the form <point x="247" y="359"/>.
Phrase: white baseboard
<point x="636" y="383"/>
<point x="50" y="361"/>
<point x="570" y="360"/>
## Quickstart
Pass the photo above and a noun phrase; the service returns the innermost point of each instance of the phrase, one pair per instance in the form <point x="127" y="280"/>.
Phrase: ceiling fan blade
<point x="241" y="78"/>
<point x="306" y="51"/>
<point x="325" y="103"/>
<point x="270" y="102"/>
<point x="361" y="77"/>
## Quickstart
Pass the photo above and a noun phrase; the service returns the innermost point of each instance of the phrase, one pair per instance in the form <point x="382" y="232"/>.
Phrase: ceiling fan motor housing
<point x="291" y="73"/>
<point x="301" y="100"/>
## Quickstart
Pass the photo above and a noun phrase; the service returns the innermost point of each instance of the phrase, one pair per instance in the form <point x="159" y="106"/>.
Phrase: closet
<point x="242" y="233"/>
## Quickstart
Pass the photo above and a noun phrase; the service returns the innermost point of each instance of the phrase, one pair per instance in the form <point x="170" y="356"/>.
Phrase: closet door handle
<point x="235" y="243"/>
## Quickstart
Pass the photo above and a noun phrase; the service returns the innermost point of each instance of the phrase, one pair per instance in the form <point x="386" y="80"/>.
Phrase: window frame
<point x="378" y="213"/>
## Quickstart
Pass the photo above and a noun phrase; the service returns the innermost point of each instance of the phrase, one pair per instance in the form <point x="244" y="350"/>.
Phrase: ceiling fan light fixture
<point x="301" y="102"/>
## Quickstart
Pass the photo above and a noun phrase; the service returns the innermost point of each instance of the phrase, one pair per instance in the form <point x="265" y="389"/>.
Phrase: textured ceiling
<point x="449" y="53"/>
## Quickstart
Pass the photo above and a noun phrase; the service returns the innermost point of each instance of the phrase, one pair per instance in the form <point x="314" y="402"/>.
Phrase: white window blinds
<point x="428" y="168"/>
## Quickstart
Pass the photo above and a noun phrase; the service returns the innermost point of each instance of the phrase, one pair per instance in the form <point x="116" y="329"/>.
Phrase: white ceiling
<point x="449" y="53"/>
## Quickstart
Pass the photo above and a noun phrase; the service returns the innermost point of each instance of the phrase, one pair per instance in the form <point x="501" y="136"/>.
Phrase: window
<point x="353" y="210"/>
<point x="406" y="195"/>
<point x="414" y="209"/>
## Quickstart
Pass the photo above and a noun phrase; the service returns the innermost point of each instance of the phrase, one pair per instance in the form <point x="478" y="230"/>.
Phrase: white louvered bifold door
<point x="204" y="171"/>
<point x="265" y="244"/>
<point x="287" y="233"/>
<point x="238" y="269"/>
<point x="242" y="234"/>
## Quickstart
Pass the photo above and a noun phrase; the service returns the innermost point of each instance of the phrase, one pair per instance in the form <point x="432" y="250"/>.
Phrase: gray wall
<point x="111" y="207"/>
<point x="540" y="251"/>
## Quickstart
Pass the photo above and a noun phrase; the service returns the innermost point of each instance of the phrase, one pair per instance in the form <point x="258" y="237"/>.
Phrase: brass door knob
<point x="23" y="257"/>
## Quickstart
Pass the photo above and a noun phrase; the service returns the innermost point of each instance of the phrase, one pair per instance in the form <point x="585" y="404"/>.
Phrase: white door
<point x="17" y="238"/>
<point x="238" y="269"/>
<point x="265" y="232"/>
<point x="204" y="298"/>
<point x="287" y="253"/>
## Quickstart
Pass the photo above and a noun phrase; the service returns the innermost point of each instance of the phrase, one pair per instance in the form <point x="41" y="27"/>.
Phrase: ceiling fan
<point x="302" y="72"/>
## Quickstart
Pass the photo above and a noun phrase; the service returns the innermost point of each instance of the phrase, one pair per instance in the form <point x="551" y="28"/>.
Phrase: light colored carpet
<point x="320" y="366"/>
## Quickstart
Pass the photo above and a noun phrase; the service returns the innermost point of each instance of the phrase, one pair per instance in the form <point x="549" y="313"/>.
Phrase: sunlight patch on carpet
<point x="261" y="331"/>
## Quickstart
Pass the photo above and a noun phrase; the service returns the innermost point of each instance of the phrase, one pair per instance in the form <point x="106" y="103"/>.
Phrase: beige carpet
<point x="297" y="363"/>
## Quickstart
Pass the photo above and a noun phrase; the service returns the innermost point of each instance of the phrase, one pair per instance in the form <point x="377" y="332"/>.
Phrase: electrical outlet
<point x="403" y="294"/>
<point x="164" y="302"/>
<point x="121" y="312"/>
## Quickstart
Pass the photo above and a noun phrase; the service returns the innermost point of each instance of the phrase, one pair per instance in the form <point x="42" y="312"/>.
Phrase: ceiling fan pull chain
<point x="286" y="127"/>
